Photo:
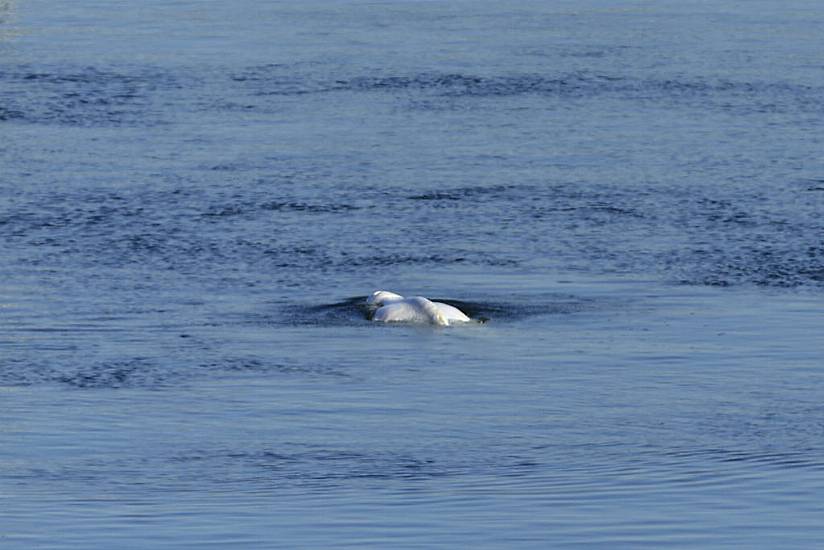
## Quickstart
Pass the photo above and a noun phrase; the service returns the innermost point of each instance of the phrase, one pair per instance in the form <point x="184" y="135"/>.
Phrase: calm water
<point x="194" y="196"/>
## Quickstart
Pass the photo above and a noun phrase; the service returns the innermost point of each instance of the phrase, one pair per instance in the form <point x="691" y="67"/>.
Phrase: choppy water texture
<point x="196" y="196"/>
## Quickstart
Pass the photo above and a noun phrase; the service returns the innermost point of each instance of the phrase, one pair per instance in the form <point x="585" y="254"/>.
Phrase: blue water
<point x="195" y="198"/>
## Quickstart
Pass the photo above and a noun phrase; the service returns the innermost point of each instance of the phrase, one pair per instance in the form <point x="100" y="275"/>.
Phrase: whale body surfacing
<point x="390" y="307"/>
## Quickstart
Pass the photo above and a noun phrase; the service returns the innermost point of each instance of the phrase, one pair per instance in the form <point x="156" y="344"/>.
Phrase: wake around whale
<point x="390" y="307"/>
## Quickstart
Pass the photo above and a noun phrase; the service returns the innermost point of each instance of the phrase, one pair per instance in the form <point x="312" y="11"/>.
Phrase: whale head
<point x="382" y="297"/>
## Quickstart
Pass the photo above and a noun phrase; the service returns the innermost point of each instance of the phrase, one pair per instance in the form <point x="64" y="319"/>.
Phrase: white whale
<point x="391" y="307"/>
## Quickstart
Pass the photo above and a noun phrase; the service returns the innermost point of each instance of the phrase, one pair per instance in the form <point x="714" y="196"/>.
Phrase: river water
<point x="196" y="196"/>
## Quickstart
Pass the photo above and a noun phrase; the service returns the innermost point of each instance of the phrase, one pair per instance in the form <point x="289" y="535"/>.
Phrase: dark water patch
<point x="498" y="311"/>
<point x="813" y="184"/>
<point x="464" y="193"/>
<point x="224" y="211"/>
<point x="259" y="471"/>
<point x="77" y="372"/>
<point x="764" y="264"/>
<point x="301" y="80"/>
<point x="740" y="97"/>
<point x="346" y="312"/>
<point x="696" y="236"/>
<point x="21" y="371"/>
<point x="149" y="373"/>
<point x="706" y="236"/>
<point x="467" y="85"/>
<point x="334" y="465"/>
<point x="399" y="259"/>
<point x="257" y="366"/>
<point x="284" y="79"/>
<point x="304" y="207"/>
<point x="594" y="214"/>
<point x="323" y="467"/>
<point x="135" y="372"/>
<point x="563" y="473"/>
<point x="281" y="206"/>
<point x="785" y="459"/>
<point x="84" y="96"/>
<point x="9" y="114"/>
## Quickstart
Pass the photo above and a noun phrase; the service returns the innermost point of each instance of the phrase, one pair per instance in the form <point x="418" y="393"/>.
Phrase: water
<point x="195" y="196"/>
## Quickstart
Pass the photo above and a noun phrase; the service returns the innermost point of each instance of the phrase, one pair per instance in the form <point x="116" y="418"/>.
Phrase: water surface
<point x="195" y="196"/>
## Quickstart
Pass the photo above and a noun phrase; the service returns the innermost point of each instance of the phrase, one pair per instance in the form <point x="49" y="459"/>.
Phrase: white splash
<point x="391" y="307"/>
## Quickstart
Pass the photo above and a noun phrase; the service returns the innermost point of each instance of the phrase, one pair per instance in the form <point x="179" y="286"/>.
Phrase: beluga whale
<point x="389" y="307"/>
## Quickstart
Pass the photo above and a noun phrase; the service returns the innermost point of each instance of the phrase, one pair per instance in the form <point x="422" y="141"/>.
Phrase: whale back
<point x="417" y="309"/>
<point x="451" y="312"/>
<point x="430" y="311"/>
